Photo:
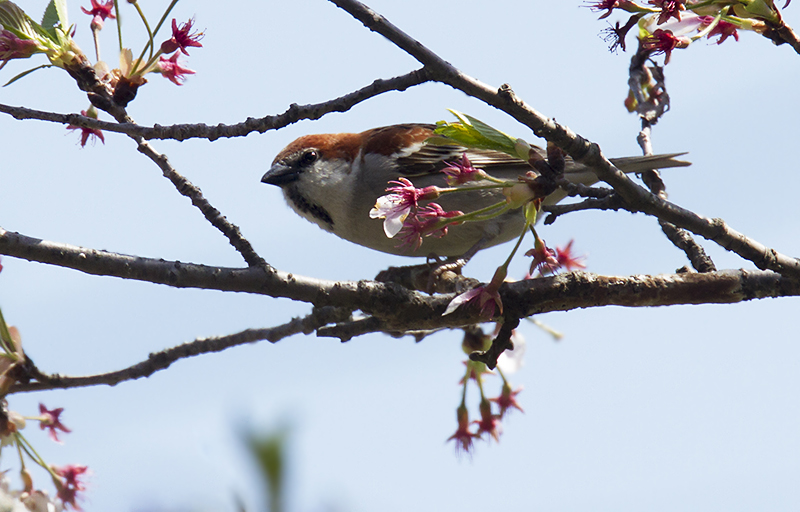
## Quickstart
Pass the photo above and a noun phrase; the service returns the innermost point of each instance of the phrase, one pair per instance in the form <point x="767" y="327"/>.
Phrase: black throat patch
<point x="304" y="205"/>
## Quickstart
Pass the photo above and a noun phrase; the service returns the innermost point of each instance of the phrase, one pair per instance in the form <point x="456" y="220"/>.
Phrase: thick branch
<point x="402" y="310"/>
<point x="580" y="290"/>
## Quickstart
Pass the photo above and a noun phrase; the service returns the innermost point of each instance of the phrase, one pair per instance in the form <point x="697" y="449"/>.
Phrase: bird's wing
<point x="428" y="156"/>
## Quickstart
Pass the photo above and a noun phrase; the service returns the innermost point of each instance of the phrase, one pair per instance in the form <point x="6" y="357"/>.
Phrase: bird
<point x="335" y="180"/>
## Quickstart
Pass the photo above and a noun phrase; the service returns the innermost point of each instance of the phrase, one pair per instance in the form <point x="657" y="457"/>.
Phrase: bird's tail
<point x="645" y="163"/>
<point x="628" y="164"/>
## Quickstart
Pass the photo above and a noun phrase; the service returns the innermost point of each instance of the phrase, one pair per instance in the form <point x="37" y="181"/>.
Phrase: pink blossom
<point x="463" y="437"/>
<point x="664" y="41"/>
<point x="723" y="29"/>
<point x="604" y="5"/>
<point x="401" y="200"/>
<point x="181" y="38"/>
<point x="669" y="8"/>
<point x="486" y="297"/>
<point x="489" y="423"/>
<point x="544" y="259"/>
<point x="173" y="71"/>
<point x="70" y="486"/>
<point x="88" y="132"/>
<point x="566" y="259"/>
<point x="50" y="420"/>
<point x="462" y="172"/>
<point x="100" y="12"/>
<point x="426" y="222"/>
<point x="481" y="296"/>
<point x="507" y="399"/>
<point x="13" y="47"/>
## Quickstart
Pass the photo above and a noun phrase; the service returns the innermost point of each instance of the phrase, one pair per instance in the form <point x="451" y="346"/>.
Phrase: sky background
<point x="680" y="408"/>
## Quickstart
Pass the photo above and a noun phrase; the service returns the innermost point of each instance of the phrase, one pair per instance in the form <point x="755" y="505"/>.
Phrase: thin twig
<point x="612" y="202"/>
<point x="500" y="344"/>
<point x="212" y="215"/>
<point x="651" y="109"/>
<point x="163" y="359"/>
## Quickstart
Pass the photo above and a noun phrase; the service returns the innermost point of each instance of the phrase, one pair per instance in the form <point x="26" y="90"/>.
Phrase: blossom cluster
<point x="491" y="411"/>
<point x="403" y="214"/>
<point x="21" y="38"/>
<point x="667" y="25"/>
<point x="68" y="480"/>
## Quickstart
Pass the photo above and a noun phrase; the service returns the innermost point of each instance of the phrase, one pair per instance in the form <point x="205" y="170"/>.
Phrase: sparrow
<point x="335" y="180"/>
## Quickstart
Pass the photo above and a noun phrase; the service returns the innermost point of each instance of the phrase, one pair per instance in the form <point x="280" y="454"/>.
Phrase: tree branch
<point x="163" y="359"/>
<point x="188" y="131"/>
<point x="401" y="310"/>
<point x="212" y="215"/>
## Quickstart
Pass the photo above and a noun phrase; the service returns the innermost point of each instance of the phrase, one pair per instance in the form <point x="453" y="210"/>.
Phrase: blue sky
<point x="690" y="408"/>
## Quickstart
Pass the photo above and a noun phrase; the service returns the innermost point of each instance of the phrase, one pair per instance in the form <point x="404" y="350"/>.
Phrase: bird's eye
<point x="308" y="157"/>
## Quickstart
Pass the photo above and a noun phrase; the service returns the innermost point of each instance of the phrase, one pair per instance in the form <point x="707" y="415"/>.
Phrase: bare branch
<point x="784" y="34"/>
<point x="163" y="359"/>
<point x="346" y="331"/>
<point x="612" y="202"/>
<point x="212" y="215"/>
<point x="188" y="131"/>
<point x="697" y="255"/>
<point x="566" y="291"/>
<point x="401" y="310"/>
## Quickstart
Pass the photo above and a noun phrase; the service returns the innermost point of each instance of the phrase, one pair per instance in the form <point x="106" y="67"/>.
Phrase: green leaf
<point x="55" y="14"/>
<point x="475" y="133"/>
<point x="50" y="16"/>
<point x="5" y="335"/>
<point x="269" y="450"/>
<point x="13" y="18"/>
<point x="531" y="212"/>
<point x="26" y="73"/>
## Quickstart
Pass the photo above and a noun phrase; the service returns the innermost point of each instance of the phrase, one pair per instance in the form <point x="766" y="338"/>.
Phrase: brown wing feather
<point x="416" y="157"/>
<point x="431" y="158"/>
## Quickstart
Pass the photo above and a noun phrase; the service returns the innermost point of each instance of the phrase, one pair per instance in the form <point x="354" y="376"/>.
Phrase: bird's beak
<point x="280" y="175"/>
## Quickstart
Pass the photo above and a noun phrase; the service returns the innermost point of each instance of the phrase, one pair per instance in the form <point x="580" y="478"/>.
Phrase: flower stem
<point x="6" y="343"/>
<point x="164" y="17"/>
<point x="708" y="29"/>
<point x="480" y="385"/>
<point x="151" y="42"/>
<point x="516" y="245"/>
<point x="501" y="184"/>
<point x="119" y="24"/>
<point x="464" y="389"/>
<point x="479" y="214"/>
<point x="146" y="26"/>
<point x="96" y="37"/>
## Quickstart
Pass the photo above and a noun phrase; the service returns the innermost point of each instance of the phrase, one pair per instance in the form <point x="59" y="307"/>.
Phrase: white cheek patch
<point x="322" y="194"/>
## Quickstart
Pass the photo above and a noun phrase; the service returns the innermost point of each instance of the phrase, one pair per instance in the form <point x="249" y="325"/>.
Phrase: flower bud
<point x="518" y="195"/>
